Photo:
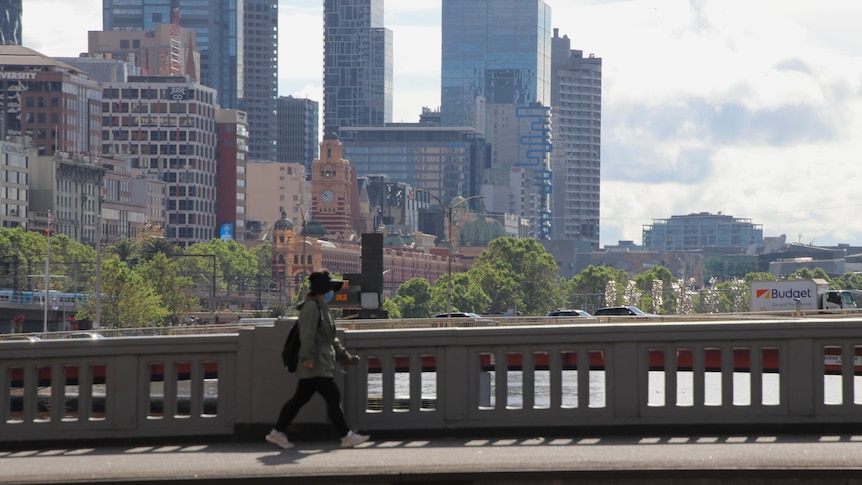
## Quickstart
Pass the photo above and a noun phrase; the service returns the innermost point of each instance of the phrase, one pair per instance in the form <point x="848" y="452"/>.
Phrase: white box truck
<point x="790" y="295"/>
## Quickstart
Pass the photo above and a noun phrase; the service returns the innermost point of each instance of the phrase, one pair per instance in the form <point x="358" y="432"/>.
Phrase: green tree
<point x="413" y="298"/>
<point x="125" y="249"/>
<point x="848" y="281"/>
<point x="393" y="307"/>
<point x="518" y="273"/>
<point x="174" y="290"/>
<point x="127" y="299"/>
<point x="154" y="245"/>
<point x="808" y="273"/>
<point x="594" y="279"/>
<point x="466" y="295"/>
<point x="644" y="282"/>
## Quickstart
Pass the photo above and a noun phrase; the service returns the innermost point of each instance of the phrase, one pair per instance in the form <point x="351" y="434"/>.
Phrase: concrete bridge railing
<point x="503" y="378"/>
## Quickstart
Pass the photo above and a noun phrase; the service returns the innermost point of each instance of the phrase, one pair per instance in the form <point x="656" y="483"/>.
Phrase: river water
<point x="741" y="395"/>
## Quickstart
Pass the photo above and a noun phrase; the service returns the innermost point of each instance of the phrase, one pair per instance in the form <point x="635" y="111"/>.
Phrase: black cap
<point x="321" y="283"/>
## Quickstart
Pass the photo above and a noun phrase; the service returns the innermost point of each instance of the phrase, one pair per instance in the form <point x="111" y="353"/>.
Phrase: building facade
<point x="298" y="132"/>
<point x="54" y="105"/>
<point x="166" y="127"/>
<point x="260" y="77"/>
<point x="277" y="188"/>
<point x="231" y="187"/>
<point x="702" y="230"/>
<point x="576" y="97"/>
<point x="357" y="65"/>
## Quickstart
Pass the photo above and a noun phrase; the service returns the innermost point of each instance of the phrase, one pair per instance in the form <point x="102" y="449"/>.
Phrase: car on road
<point x="621" y="311"/>
<point x="567" y="313"/>
<point x="457" y="315"/>
<point x="475" y="320"/>
<point x="26" y="338"/>
<point x="84" y="335"/>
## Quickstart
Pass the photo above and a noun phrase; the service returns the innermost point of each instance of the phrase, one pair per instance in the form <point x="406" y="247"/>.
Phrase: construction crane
<point x="176" y="47"/>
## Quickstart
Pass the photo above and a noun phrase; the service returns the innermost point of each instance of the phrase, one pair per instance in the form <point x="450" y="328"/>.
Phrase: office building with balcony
<point x="576" y="98"/>
<point x="702" y="230"/>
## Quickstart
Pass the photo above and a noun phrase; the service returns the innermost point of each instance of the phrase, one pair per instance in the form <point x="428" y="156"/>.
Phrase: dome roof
<point x="457" y="202"/>
<point x="393" y="240"/>
<point x="314" y="228"/>
<point x="284" y="223"/>
<point x="481" y="231"/>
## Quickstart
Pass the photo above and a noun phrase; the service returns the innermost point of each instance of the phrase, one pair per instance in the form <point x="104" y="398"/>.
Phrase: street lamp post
<point x="449" y="211"/>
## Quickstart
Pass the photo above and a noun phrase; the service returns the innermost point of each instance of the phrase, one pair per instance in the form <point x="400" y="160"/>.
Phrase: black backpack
<point x="290" y="352"/>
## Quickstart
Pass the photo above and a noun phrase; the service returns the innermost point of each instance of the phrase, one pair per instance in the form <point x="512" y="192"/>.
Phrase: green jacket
<point x="318" y="342"/>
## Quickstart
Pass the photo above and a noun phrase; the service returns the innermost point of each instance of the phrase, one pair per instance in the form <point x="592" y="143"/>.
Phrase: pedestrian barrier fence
<point x="498" y="377"/>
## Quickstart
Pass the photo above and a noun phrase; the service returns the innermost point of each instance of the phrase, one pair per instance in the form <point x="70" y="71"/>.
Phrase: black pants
<point x="306" y="388"/>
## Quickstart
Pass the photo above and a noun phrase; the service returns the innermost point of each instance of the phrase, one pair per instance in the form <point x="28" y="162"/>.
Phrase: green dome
<point x="284" y="223"/>
<point x="480" y="231"/>
<point x="397" y="240"/>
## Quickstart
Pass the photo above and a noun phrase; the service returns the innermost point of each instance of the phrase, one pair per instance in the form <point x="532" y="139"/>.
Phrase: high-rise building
<point x="10" y="22"/>
<point x="576" y="98"/>
<point x="298" y="136"/>
<point x="495" y="50"/>
<point x="260" y="77"/>
<point x="496" y="77"/>
<point x="231" y="188"/>
<point x="357" y="65"/>
<point x="218" y="26"/>
<point x="166" y="127"/>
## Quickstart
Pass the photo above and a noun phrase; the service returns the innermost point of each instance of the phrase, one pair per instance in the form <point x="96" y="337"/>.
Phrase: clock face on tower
<point x="327" y="196"/>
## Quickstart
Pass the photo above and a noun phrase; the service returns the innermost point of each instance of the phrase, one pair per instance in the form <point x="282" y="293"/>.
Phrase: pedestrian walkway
<point x="684" y="459"/>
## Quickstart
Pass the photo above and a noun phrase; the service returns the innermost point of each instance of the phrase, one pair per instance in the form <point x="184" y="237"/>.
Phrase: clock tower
<point x="330" y="188"/>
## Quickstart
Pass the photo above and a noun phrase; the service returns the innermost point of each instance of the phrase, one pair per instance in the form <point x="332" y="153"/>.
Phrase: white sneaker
<point x="278" y="438"/>
<point x="352" y="439"/>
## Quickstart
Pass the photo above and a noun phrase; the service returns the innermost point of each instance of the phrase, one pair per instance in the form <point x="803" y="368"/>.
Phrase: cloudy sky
<point x="748" y="108"/>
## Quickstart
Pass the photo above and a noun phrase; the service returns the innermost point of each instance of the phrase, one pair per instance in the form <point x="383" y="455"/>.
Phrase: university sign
<point x="17" y="76"/>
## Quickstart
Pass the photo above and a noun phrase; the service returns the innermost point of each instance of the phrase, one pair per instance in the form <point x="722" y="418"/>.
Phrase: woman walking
<point x="319" y="349"/>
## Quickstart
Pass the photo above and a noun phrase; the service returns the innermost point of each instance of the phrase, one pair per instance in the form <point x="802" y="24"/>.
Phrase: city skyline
<point x="708" y="106"/>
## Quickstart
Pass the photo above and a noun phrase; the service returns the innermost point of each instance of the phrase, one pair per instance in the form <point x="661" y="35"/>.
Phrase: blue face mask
<point x="328" y="296"/>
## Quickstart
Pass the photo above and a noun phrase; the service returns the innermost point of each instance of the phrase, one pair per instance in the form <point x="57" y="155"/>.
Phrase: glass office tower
<point x="496" y="52"/>
<point x="357" y="66"/>
<point x="496" y="78"/>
